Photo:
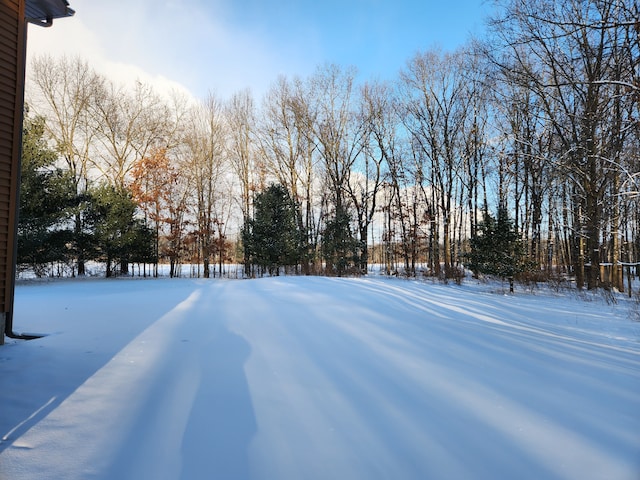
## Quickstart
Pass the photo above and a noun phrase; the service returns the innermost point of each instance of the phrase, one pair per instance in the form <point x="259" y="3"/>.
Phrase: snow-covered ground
<point x="316" y="378"/>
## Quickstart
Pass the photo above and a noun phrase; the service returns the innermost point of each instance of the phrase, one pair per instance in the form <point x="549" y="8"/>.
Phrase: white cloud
<point x="168" y="46"/>
<point x="71" y="37"/>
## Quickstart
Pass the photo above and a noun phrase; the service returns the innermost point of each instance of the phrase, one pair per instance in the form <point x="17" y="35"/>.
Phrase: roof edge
<point x="43" y="12"/>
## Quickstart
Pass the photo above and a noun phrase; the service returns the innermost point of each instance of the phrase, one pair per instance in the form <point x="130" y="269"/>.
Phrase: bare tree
<point x="240" y="115"/>
<point x="526" y="139"/>
<point x="206" y="165"/>
<point x="379" y="124"/>
<point x="62" y="90"/>
<point x="127" y="125"/>
<point x="337" y="131"/>
<point x="437" y="105"/>
<point x="579" y="57"/>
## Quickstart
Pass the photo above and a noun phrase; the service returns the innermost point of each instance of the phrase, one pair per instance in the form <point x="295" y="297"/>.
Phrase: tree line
<point x="529" y="136"/>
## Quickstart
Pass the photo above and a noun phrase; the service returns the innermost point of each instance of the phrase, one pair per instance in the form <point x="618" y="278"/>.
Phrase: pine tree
<point x="118" y="236"/>
<point x="272" y="238"/>
<point x="46" y="196"/>
<point x="339" y="245"/>
<point x="496" y="248"/>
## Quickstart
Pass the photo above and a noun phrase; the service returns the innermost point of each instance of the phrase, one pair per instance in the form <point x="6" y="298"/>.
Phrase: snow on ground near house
<point x="316" y="378"/>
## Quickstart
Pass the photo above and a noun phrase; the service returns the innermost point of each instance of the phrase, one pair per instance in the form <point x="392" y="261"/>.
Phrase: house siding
<point x="12" y="59"/>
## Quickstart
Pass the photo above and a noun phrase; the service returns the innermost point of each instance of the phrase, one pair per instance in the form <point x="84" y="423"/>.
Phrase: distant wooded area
<point x="517" y="155"/>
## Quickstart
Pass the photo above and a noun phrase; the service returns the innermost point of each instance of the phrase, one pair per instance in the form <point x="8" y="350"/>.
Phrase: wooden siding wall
<point x="12" y="61"/>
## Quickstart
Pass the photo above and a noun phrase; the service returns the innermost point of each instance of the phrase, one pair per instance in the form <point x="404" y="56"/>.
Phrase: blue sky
<point x="226" y="45"/>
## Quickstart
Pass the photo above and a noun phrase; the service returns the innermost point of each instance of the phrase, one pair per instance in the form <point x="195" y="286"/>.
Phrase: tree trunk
<point x="447" y="248"/>
<point x="206" y="270"/>
<point x="80" y="252"/>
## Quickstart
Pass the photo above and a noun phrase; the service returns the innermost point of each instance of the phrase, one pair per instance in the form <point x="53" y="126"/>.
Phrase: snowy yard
<point x="297" y="378"/>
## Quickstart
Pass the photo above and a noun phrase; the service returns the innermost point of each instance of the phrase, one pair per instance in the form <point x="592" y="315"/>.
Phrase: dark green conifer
<point x="118" y="236"/>
<point x="496" y="249"/>
<point x="272" y="237"/>
<point x="46" y="197"/>
<point x="339" y="245"/>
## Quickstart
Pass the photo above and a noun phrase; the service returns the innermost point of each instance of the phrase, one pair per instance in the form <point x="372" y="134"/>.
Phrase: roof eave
<point x="43" y="12"/>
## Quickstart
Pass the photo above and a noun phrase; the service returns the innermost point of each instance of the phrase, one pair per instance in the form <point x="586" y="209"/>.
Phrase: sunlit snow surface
<point x="315" y="378"/>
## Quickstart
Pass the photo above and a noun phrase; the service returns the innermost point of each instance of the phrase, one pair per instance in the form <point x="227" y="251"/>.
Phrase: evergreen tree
<point x="272" y="238"/>
<point x="142" y="248"/>
<point x="118" y="237"/>
<point x="496" y="248"/>
<point x="339" y="245"/>
<point x="46" y="195"/>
